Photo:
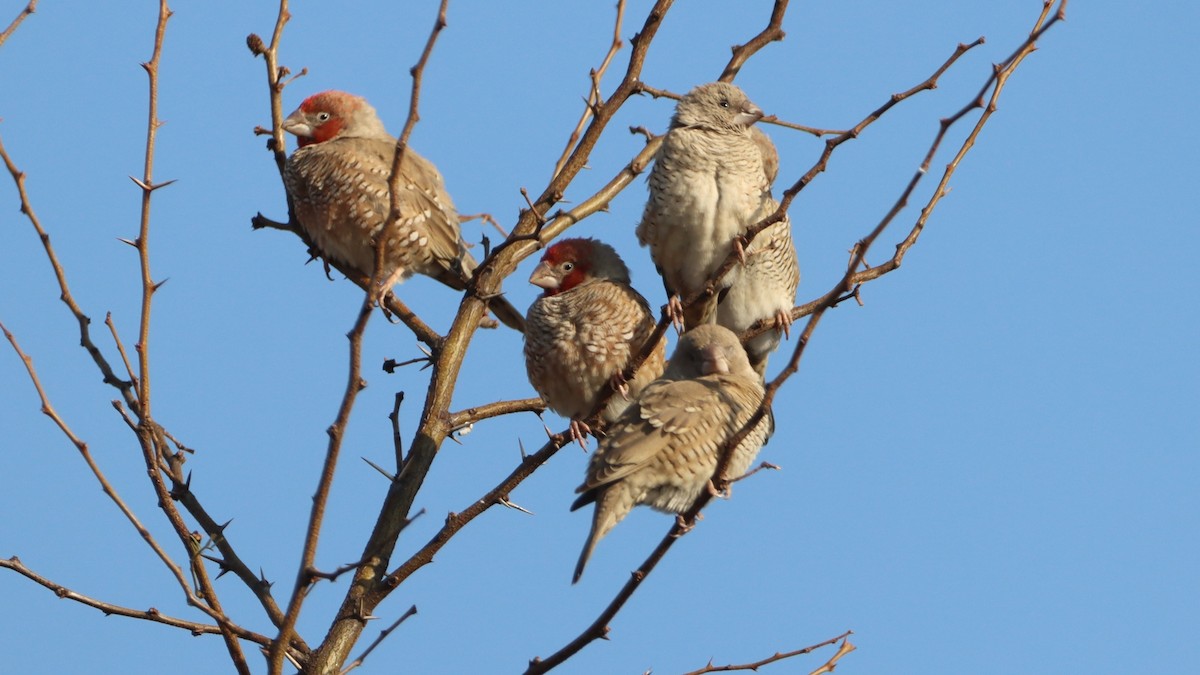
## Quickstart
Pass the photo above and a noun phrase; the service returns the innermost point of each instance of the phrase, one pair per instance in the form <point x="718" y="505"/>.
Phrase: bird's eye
<point x="323" y="117"/>
<point x="724" y="103"/>
<point x="568" y="266"/>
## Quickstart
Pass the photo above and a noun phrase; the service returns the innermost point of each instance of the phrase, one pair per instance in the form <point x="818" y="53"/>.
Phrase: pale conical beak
<point x="749" y="115"/>
<point x="714" y="361"/>
<point x="297" y="124"/>
<point x="543" y="277"/>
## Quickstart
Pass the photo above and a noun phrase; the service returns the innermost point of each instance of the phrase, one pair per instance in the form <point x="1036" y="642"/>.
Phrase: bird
<point x="663" y="450"/>
<point x="581" y="333"/>
<point x="765" y="288"/>
<point x="337" y="180"/>
<point x="706" y="185"/>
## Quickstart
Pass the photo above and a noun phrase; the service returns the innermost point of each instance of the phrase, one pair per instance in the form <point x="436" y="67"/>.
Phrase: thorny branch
<point x="14" y="563"/>
<point x="150" y="436"/>
<point x="778" y="656"/>
<point x="456" y="521"/>
<point x="128" y="390"/>
<point x="594" y="96"/>
<point x="379" y="640"/>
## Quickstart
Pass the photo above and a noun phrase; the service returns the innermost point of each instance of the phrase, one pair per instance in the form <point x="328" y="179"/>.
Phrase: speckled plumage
<point x="585" y="327"/>
<point x="338" y="182"/>
<point x="707" y="184"/>
<point x="766" y="287"/>
<point x="663" y="450"/>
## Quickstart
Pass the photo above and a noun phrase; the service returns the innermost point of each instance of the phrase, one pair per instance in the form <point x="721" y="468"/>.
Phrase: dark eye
<point x="323" y="117"/>
<point x="568" y="266"/>
<point x="724" y="103"/>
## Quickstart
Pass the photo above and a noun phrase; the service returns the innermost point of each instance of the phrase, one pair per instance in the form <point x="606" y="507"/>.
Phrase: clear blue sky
<point x="992" y="467"/>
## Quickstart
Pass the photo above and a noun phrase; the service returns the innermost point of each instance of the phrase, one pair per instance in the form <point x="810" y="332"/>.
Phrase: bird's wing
<point x="668" y="415"/>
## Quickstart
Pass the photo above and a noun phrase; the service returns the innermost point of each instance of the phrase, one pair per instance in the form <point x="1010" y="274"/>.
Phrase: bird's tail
<point x="507" y="314"/>
<point x="588" y="547"/>
<point x="613" y="503"/>
<point x="456" y="274"/>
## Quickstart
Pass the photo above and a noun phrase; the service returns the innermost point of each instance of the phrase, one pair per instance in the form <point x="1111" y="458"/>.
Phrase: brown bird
<point x="338" y="182"/>
<point x="707" y="184"/>
<point x="765" y="289"/>
<point x="583" y="330"/>
<point x="664" y="448"/>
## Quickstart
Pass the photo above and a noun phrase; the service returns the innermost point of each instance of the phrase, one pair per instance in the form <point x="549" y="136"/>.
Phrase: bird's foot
<point x="675" y="312"/>
<point x="579" y="432"/>
<point x="783" y="322"/>
<point x="619" y="385"/>
<point x="683" y="525"/>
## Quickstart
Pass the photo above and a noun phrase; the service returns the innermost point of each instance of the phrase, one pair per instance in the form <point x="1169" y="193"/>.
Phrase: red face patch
<point x="571" y="259"/>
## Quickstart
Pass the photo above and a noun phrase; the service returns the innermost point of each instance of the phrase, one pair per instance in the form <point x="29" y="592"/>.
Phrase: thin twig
<point x="14" y="563"/>
<point x="336" y="432"/>
<point x="85" y="453"/>
<point x="594" y="95"/>
<point x="772" y="33"/>
<point x="24" y="14"/>
<point x="495" y="409"/>
<point x="778" y="656"/>
<point x="377" y="641"/>
<point x="149" y="435"/>
<point x="832" y="663"/>
<point x="85" y="337"/>
<point x="456" y="521"/>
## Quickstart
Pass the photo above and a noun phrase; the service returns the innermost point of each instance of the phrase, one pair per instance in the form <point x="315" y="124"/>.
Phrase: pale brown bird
<point x="707" y="184"/>
<point x="765" y="288"/>
<point x="583" y="330"/>
<point x="338" y="182"/>
<point x="664" y="448"/>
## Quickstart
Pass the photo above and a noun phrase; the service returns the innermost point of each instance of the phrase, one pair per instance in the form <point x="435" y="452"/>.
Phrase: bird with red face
<point x="338" y="183"/>
<point x="581" y="333"/>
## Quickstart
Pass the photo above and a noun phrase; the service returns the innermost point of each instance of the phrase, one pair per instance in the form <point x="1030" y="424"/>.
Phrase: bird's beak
<point x="749" y="115"/>
<point x="714" y="361"/>
<point x="298" y="125"/>
<point x="543" y="277"/>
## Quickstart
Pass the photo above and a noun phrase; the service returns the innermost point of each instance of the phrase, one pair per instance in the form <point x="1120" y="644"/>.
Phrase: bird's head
<point x="718" y="106"/>
<point x="334" y="114"/>
<point x="708" y="350"/>
<point x="572" y="262"/>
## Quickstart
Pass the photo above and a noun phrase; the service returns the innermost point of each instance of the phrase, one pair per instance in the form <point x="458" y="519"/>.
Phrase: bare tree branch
<point x="24" y="14"/>
<point x="14" y="563"/>
<point x="594" y="95"/>
<point x="778" y="656"/>
<point x="772" y="33"/>
<point x="377" y="641"/>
